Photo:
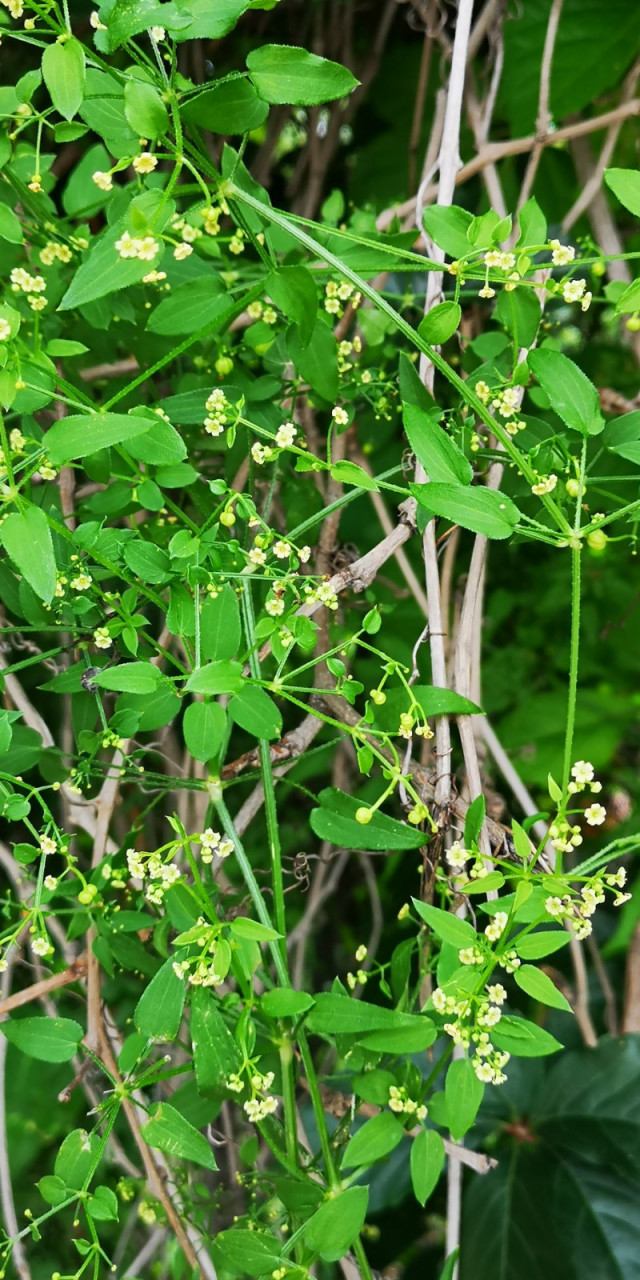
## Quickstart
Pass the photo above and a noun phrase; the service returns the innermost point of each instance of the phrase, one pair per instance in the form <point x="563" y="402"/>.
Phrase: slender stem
<point x="573" y="664"/>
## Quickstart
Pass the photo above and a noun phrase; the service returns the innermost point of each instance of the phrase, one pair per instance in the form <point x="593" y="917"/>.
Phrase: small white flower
<point x="94" y="19"/>
<point x="583" y="772"/>
<point x="545" y="484"/>
<point x="41" y="947"/>
<point x="554" y="906"/>
<point x="561" y="253"/>
<point x="497" y="926"/>
<point x="145" y="162"/>
<point x="158" y="33"/>
<point x="285" y="435"/>
<point x="573" y="290"/>
<point x="182" y="251"/>
<point x="457" y="856"/>
<point x="101" y="638"/>
<point x="5" y="330"/>
<point x="102" y="180"/>
<point x="47" y="845"/>
<point x="595" y="815"/>
<point x="340" y="416"/>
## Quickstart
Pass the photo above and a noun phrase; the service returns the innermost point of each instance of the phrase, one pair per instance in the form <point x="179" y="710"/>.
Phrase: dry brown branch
<point x="73" y="973"/>
<point x="495" y="151"/>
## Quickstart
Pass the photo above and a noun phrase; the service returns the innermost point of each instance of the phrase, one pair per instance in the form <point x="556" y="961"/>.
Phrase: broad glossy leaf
<point x="442" y="459"/>
<point x="446" y="926"/>
<point x="158" y="1013"/>
<point x="440" y="323"/>
<point x="286" y="73"/>
<point x="220" y="626"/>
<point x="332" y="1229"/>
<point x="427" y="1162"/>
<point x="210" y="22"/>
<point x="463" y="1094"/>
<point x="335" y="821"/>
<point x="85" y="433"/>
<point x="293" y="290"/>
<point x="375" y="1139"/>
<point x="338" y="1014"/>
<point x="63" y="70"/>
<point x="246" y="1253"/>
<point x="204" y="727"/>
<point x="477" y="508"/>
<point x="523" y="1039"/>
<point x="26" y="538"/>
<point x="571" y="395"/>
<point x="230" y="107"/>
<point x="48" y="1039"/>
<point x="215" y="1053"/>
<point x="625" y="184"/>
<point x="448" y="227"/>
<point x="539" y="985"/>
<point x="223" y="676"/>
<point x="170" y="1132"/>
<point x="256" y="712"/>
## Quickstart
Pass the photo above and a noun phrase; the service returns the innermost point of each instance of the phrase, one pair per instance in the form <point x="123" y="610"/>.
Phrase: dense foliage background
<point x="191" y="636"/>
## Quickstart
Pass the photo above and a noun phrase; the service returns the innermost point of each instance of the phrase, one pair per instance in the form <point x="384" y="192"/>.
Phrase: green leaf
<point x="284" y="73"/>
<point x="284" y="1003"/>
<point x="220" y="626"/>
<point x="85" y="433"/>
<point x="532" y="224"/>
<point x="629" y="299"/>
<point x="76" y="1158"/>
<point x="256" y="712"/>
<point x="335" y="821"/>
<point x="520" y="314"/>
<point x="473" y="821"/>
<point x="539" y="985"/>
<point x="190" y="307"/>
<point x="625" y="184"/>
<point x="145" y="109"/>
<point x="210" y="22"/>
<point x="103" y="1205"/>
<point x="442" y="459"/>
<point x="158" y="1013"/>
<point x="129" y="677"/>
<point x="427" y="1163"/>
<point x="523" y="1039"/>
<point x="571" y="395"/>
<point x="253" y="930"/>
<point x="432" y="700"/>
<point x="216" y="677"/>
<point x="126" y="18"/>
<point x="293" y="290"/>
<point x="233" y="106"/>
<point x="440" y="323"/>
<point x="246" y="1253"/>
<point x="375" y="1139"/>
<point x="335" y="1014"/>
<point x="53" y="1190"/>
<point x="10" y="226"/>
<point x="448" y="227"/>
<point x="47" y="1039"/>
<point x="149" y="562"/>
<point x="63" y="70"/>
<point x="204" y="729"/>
<point x="160" y="445"/>
<point x="406" y="1039"/>
<point x="316" y="361"/>
<point x="215" y="1053"/>
<point x="170" y="1132"/>
<point x="332" y="1229"/>
<point x="477" y="508"/>
<point x="463" y="1093"/>
<point x="447" y="927"/>
<point x="351" y="473"/>
<point x="26" y="538"/>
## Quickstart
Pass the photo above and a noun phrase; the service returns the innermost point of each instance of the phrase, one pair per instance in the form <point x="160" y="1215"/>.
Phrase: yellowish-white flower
<point x="561" y="254"/>
<point x="5" y="329"/>
<point x="103" y="181"/>
<point x="182" y="251"/>
<point x="285" y="435"/>
<point x="595" y="815"/>
<point x="146" y="162"/>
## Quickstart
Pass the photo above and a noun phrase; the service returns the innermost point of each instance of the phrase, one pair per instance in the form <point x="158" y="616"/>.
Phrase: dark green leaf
<point x="63" y="70"/>
<point x="204" y="728"/>
<point x="256" y="713"/>
<point x="215" y="1053"/>
<point x="84" y="434"/>
<point x="523" y="1039"/>
<point x="246" y="1253"/>
<point x="448" y="228"/>
<point x="158" y="1013"/>
<point x="571" y="395"/>
<point x="293" y="290"/>
<point x="336" y="1224"/>
<point x="375" y="1139"/>
<point x="145" y="109"/>
<point x="220" y="626"/>
<point x="335" y="821"/>
<point x="477" y="508"/>
<point x="440" y="323"/>
<point x="427" y="1162"/>
<point x="129" y="677"/>
<point x="48" y="1039"/>
<point x="233" y="106"/>
<point x="284" y="73"/>
<point x="539" y="985"/>
<point x="446" y="926"/>
<point x="223" y="676"/>
<point x="26" y="538"/>
<point x="170" y="1132"/>
<point x="441" y="457"/>
<point x="463" y="1094"/>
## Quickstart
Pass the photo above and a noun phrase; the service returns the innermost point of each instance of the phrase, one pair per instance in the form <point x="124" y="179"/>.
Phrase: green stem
<point x="573" y="664"/>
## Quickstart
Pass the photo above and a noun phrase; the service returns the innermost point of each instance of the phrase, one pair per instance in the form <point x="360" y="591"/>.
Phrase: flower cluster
<point x="143" y="247"/>
<point x="149" y="866"/>
<point x="336" y="294"/>
<point x="53" y="251"/>
<point x="576" y="908"/>
<point x="261" y="1103"/>
<point x="34" y="286"/>
<point x="402" y="1104"/>
<point x="410" y="724"/>
<point x="473" y="1015"/>
<point x="212" y="843"/>
<point x="345" y="349"/>
<point x="544" y="484"/>
<point x="218" y="410"/>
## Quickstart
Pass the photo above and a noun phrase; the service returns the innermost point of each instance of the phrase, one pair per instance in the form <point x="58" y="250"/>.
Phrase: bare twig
<point x="543" y="119"/>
